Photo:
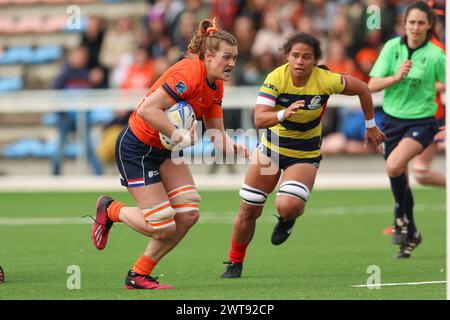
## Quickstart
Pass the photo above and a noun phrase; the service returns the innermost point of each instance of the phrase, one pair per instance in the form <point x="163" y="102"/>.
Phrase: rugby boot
<point x="138" y="281"/>
<point x="409" y="246"/>
<point x="234" y="270"/>
<point x="282" y="230"/>
<point x="102" y="223"/>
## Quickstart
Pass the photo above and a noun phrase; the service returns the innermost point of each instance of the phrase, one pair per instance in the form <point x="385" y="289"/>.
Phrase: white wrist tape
<point x="280" y="115"/>
<point x="370" y="123"/>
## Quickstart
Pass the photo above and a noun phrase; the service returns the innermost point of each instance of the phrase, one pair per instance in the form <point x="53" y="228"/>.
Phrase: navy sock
<point x="409" y="205"/>
<point x="399" y="187"/>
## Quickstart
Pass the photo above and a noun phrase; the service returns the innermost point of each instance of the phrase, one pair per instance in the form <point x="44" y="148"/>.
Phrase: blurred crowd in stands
<point x="131" y="52"/>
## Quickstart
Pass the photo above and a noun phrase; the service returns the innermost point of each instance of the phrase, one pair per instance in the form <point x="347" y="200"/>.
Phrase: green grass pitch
<point x="332" y="245"/>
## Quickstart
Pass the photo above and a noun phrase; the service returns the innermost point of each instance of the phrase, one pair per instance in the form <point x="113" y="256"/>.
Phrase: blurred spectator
<point x="270" y="37"/>
<point x="345" y="121"/>
<point x="92" y="39"/>
<point x="183" y="34"/>
<point x="321" y="13"/>
<point x="365" y="59"/>
<point x="141" y="73"/>
<point x="75" y="74"/>
<point x="338" y="60"/>
<point x="244" y="30"/>
<point x="157" y="37"/>
<point x="350" y="135"/>
<point x="340" y="24"/>
<point x="200" y="8"/>
<point x="225" y="11"/>
<point x="119" y="40"/>
<point x="254" y="9"/>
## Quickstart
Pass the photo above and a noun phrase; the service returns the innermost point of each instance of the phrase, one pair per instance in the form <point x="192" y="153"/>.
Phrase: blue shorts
<point x="284" y="162"/>
<point x="395" y="129"/>
<point x="137" y="162"/>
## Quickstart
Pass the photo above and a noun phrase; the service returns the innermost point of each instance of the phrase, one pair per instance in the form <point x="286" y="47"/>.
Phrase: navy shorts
<point x="137" y="162"/>
<point x="395" y="129"/>
<point x="283" y="162"/>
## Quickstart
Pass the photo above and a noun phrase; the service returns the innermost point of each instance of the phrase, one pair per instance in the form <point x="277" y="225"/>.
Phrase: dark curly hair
<point x="304" y="38"/>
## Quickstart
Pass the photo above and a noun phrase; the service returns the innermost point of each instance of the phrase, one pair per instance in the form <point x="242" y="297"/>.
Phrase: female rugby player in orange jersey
<point x="165" y="193"/>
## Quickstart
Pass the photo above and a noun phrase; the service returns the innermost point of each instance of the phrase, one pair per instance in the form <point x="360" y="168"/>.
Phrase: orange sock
<point x="114" y="210"/>
<point x="144" y="266"/>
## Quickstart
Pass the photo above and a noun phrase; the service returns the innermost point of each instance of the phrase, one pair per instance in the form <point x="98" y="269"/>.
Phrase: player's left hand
<point x="374" y="135"/>
<point x="240" y="149"/>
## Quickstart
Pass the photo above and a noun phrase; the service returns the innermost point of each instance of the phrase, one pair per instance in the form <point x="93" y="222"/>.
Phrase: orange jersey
<point x="440" y="113"/>
<point x="185" y="80"/>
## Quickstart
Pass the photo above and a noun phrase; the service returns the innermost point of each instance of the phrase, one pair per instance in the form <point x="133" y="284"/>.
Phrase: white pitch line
<point x="397" y="284"/>
<point x="226" y="217"/>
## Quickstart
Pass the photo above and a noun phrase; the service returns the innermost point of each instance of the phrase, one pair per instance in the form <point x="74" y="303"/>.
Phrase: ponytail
<point x="208" y="37"/>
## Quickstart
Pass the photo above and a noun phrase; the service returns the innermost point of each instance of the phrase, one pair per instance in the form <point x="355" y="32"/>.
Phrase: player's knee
<point x="394" y="168"/>
<point x="164" y="233"/>
<point x="291" y="198"/>
<point x="252" y="196"/>
<point x="187" y="219"/>
<point x="160" y="220"/>
<point x="421" y="172"/>
<point x="185" y="200"/>
<point x="289" y="210"/>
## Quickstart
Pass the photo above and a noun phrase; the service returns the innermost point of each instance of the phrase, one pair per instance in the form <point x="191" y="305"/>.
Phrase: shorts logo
<point x="152" y="174"/>
<point x="315" y="103"/>
<point x="180" y="87"/>
<point x="415" y="134"/>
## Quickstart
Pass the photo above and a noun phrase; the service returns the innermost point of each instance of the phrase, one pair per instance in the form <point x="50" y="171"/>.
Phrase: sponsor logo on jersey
<point x="270" y="86"/>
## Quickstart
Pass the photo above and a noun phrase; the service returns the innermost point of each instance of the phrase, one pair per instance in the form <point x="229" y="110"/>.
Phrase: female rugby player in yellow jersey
<point x="289" y="107"/>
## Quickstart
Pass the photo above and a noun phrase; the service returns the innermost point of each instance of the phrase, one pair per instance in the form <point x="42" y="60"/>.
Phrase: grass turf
<point x="331" y="247"/>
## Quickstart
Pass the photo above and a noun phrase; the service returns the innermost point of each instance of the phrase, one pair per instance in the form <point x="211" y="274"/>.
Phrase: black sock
<point x="399" y="186"/>
<point x="409" y="205"/>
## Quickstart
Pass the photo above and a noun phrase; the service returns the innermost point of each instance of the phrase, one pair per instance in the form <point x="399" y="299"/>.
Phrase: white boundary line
<point x="396" y="284"/>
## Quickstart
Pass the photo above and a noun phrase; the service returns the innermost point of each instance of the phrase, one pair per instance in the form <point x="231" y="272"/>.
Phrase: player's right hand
<point x="405" y="67"/>
<point x="185" y="138"/>
<point x="440" y="136"/>
<point x="292" y="109"/>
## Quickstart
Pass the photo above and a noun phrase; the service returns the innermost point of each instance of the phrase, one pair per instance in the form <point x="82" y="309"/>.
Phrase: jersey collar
<point x="410" y="50"/>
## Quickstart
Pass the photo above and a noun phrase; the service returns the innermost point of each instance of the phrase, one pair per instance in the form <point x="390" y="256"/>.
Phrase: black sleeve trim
<point x="170" y="92"/>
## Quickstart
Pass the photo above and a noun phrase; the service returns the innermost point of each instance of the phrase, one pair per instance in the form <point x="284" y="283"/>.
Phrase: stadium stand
<point x="35" y="38"/>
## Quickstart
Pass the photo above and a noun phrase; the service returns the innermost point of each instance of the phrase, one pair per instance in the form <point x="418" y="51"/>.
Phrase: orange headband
<point x="212" y="29"/>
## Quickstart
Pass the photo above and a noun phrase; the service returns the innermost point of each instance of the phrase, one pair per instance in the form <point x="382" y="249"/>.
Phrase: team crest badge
<point x="315" y="103"/>
<point x="180" y="87"/>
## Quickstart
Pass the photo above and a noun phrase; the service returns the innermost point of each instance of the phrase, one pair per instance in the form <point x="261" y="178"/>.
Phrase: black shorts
<point x="137" y="162"/>
<point x="284" y="162"/>
<point x="395" y="129"/>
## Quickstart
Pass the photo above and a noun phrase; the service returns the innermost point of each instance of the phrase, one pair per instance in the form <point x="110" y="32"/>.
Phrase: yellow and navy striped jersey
<point x="300" y="135"/>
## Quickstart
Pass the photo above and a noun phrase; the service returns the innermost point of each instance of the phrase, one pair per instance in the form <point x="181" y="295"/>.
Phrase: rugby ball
<point x="182" y="116"/>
